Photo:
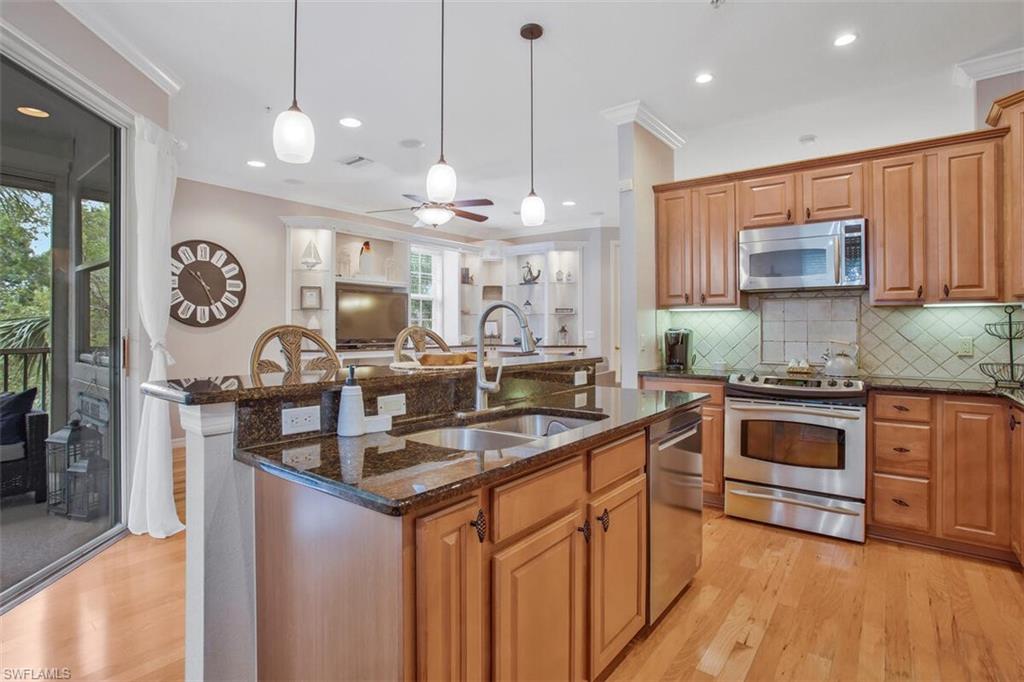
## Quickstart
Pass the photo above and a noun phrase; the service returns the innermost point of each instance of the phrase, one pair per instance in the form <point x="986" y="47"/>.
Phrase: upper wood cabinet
<point x="1017" y="482"/>
<point x="717" y="235"/>
<point x="618" y="570"/>
<point x="1009" y="111"/>
<point x="975" y="472"/>
<point x="897" y="230"/>
<point x="538" y="604"/>
<point x="449" y="594"/>
<point x="768" y="201"/>
<point x="833" y="193"/>
<point x="967" y="221"/>
<point x="674" y="244"/>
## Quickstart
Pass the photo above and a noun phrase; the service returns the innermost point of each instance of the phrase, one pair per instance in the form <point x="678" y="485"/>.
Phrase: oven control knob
<point x="832" y="382"/>
<point x="753" y="378"/>
<point x="742" y="377"/>
<point x="848" y="384"/>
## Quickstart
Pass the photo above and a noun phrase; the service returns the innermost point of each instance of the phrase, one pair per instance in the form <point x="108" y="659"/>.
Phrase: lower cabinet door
<point x="713" y="443"/>
<point x="618" y="575"/>
<point x="449" y="594"/>
<point x="1017" y="481"/>
<point x="538" y="604"/>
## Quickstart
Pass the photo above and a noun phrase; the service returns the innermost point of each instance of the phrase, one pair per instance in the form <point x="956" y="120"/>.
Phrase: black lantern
<point x="88" y="488"/>
<point x="73" y="443"/>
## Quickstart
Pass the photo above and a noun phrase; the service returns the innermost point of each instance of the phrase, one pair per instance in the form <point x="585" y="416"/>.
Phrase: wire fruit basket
<point x="1005" y="374"/>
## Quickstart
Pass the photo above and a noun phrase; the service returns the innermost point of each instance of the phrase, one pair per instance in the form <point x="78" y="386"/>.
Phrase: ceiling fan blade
<point x="473" y="202"/>
<point x="415" y="198"/>
<point x="469" y="216"/>
<point x="390" y="210"/>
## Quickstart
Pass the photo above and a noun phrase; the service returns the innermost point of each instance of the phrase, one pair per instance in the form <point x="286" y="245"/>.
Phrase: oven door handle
<point x="666" y="444"/>
<point x="797" y="410"/>
<point x="798" y="503"/>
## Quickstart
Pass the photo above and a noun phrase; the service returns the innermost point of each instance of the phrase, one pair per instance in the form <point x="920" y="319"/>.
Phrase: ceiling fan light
<point x="294" y="138"/>
<point x="532" y="210"/>
<point x="441" y="183"/>
<point x="434" y="215"/>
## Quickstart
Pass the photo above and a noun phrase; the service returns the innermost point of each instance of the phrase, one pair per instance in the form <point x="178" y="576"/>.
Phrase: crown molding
<point x="87" y="14"/>
<point x="989" y="66"/>
<point x="637" y="112"/>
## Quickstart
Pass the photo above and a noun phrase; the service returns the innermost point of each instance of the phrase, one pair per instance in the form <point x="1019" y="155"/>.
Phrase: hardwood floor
<point x="768" y="604"/>
<point x="773" y="604"/>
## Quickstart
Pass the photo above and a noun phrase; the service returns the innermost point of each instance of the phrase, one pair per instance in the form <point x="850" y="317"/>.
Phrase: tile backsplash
<point x="897" y="341"/>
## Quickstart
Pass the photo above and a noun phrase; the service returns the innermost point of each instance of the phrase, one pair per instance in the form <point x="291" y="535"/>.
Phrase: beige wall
<point x="56" y="31"/>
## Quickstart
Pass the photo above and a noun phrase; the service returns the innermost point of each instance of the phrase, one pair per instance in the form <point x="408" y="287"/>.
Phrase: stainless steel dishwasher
<point x="675" y="502"/>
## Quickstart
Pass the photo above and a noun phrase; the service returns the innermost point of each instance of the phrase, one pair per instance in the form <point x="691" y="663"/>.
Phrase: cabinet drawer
<point x="615" y="460"/>
<point x="716" y="389"/>
<point x="903" y="407"/>
<point x="903" y="449"/>
<point x="529" y="500"/>
<point x="902" y="502"/>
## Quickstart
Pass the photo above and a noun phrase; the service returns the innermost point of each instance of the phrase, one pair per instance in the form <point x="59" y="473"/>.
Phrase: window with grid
<point x="425" y="289"/>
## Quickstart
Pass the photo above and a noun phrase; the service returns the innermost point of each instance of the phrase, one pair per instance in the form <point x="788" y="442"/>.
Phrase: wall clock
<point x="207" y="283"/>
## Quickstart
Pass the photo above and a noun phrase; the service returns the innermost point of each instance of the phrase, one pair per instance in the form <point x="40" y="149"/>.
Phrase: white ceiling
<point x="378" y="61"/>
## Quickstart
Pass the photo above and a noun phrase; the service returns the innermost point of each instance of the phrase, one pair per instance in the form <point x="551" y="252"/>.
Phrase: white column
<point x="220" y="575"/>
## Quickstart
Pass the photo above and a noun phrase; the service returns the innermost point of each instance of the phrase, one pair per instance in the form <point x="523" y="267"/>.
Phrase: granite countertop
<point x="232" y="388"/>
<point x="391" y="474"/>
<point x="903" y="384"/>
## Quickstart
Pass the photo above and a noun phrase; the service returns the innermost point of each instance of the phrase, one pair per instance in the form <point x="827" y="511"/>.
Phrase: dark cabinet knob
<point x="901" y="408"/>
<point x="605" y="519"/>
<point x="585" y="529"/>
<point x="920" y="291"/>
<point x="900" y="502"/>
<point x="703" y="298"/>
<point x="945" y="290"/>
<point x="480" y="523"/>
<point x="686" y="298"/>
<point x="808" y="214"/>
<point x="1014" y="423"/>
<point x="901" y="450"/>
<point x="789" y="214"/>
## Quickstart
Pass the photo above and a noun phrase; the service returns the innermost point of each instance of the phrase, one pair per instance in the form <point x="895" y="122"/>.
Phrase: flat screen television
<point x="369" y="315"/>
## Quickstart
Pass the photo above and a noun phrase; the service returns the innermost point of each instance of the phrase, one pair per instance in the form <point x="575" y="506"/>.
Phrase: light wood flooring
<point x="768" y="604"/>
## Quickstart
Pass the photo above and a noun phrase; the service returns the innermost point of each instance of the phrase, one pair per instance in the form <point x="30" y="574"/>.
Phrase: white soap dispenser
<point x="351" y="419"/>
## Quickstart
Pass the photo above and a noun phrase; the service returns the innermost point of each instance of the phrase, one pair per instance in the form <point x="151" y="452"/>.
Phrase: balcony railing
<point x="32" y="366"/>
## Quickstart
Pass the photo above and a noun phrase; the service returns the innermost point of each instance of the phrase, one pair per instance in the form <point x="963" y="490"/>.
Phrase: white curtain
<point x="151" y="502"/>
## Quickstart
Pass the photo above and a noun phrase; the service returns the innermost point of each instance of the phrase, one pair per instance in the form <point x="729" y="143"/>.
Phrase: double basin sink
<point x="504" y="432"/>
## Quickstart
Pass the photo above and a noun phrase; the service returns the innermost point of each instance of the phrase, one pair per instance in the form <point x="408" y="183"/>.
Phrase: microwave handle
<point x="838" y="254"/>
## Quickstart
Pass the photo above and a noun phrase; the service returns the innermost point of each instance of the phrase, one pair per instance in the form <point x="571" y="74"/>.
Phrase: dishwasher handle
<point x="673" y="439"/>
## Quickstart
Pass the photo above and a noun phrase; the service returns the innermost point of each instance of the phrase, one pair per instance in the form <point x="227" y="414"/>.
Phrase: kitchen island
<point x="389" y="556"/>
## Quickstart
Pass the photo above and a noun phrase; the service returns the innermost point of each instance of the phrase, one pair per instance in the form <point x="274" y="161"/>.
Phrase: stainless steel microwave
<point x="815" y="256"/>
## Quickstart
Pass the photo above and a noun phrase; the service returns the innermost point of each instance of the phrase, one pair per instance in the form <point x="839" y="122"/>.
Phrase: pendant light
<point x="532" y="209"/>
<point x="441" y="177"/>
<point x="294" y="138"/>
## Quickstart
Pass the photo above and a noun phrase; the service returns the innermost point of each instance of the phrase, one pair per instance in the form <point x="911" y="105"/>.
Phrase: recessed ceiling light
<point x="844" y="39"/>
<point x="350" y="122"/>
<point x="33" y="112"/>
<point x="293" y="181"/>
<point x="412" y="143"/>
<point x="256" y="163"/>
<point x="703" y="78"/>
<point x="568" y="202"/>
<point x="810" y="138"/>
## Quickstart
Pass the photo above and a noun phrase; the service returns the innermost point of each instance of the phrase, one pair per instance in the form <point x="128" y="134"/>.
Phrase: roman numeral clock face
<point x="207" y="283"/>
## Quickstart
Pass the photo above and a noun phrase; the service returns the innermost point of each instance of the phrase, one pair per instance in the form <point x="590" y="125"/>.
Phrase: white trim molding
<point x="92" y="19"/>
<point x="999" y="64"/>
<point x="637" y="112"/>
<point x="352" y="227"/>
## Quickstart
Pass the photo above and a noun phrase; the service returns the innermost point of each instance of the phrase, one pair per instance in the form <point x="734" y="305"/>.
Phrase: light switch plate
<point x="391" y="404"/>
<point x="580" y="378"/>
<point x="965" y="348"/>
<point x="300" y="419"/>
<point x="581" y="400"/>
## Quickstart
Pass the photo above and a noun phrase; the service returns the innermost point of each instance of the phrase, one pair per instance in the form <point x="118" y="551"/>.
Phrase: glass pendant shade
<point x="441" y="183"/>
<point x="294" y="138"/>
<point x="434" y="215"/>
<point x="532" y="210"/>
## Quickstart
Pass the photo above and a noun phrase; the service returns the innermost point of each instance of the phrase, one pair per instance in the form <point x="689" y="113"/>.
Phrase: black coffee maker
<point x="677" y="349"/>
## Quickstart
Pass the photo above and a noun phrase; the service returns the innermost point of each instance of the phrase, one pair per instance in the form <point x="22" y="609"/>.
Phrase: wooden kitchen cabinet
<point x="675" y="242"/>
<point x="538" y="604"/>
<point x="974" y="498"/>
<point x="1009" y="111"/>
<point x="897" y="230"/>
<point x="833" y="193"/>
<point x="618" y="570"/>
<point x="767" y="201"/>
<point x="717" y="238"/>
<point x="449" y="593"/>
<point x="1017" y="482"/>
<point x="967" y="221"/>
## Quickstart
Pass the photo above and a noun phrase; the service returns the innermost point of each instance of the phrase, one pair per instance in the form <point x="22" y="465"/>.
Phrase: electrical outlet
<point x="391" y="404"/>
<point x="302" y="458"/>
<point x="966" y="346"/>
<point x="580" y="378"/>
<point x="581" y="400"/>
<point x="300" y="420"/>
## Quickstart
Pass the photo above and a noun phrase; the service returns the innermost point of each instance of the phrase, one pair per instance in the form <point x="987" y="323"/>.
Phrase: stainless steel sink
<point x="536" y="425"/>
<point x="474" y="439"/>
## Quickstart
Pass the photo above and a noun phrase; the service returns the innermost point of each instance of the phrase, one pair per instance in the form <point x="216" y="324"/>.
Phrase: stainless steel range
<point x="795" y="452"/>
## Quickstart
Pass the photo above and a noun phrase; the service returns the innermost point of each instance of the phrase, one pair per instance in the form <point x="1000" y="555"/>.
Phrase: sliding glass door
<point x="60" y="198"/>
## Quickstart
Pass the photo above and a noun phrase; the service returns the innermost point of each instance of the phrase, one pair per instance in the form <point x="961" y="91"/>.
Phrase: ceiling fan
<point x="436" y="213"/>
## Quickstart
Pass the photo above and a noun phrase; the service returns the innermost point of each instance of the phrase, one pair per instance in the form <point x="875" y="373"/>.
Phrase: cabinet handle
<point x="901" y="408"/>
<point x="789" y="214"/>
<point x="920" y="291"/>
<point x="945" y="290"/>
<point x="1014" y="422"/>
<point x="585" y="529"/>
<point x="480" y="523"/>
<point x="808" y="213"/>
<point x="900" y="502"/>
<point x="901" y="450"/>
<point x="686" y="298"/>
<point x="605" y="519"/>
<point x="702" y="298"/>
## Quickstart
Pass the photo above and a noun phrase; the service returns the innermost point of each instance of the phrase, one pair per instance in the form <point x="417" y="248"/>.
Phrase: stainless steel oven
<point x="797" y="462"/>
<point x="814" y="256"/>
